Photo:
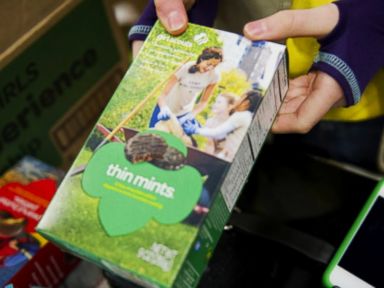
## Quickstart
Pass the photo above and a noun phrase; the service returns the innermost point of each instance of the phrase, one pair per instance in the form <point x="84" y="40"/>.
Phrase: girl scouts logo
<point x="146" y="178"/>
<point x="201" y="38"/>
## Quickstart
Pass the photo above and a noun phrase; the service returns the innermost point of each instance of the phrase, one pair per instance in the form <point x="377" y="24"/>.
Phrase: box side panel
<point x="268" y="109"/>
<point x="204" y="245"/>
<point x="253" y="141"/>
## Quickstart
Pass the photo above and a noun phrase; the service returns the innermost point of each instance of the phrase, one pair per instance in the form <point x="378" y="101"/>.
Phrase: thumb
<point x="172" y="15"/>
<point x="315" y="22"/>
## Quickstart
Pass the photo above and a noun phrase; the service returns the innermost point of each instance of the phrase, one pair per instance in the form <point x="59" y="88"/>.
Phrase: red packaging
<point x="26" y="258"/>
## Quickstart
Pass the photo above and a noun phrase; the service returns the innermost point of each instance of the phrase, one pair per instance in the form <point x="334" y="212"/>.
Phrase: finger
<point x="136" y="46"/>
<point x="292" y="105"/>
<point x="295" y="92"/>
<point x="299" y="86"/>
<point x="315" y="22"/>
<point x="172" y="15"/>
<point x="326" y="92"/>
<point x="302" y="81"/>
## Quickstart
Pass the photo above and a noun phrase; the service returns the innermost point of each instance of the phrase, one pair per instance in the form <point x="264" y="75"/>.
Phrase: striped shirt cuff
<point x="139" y="32"/>
<point x="347" y="81"/>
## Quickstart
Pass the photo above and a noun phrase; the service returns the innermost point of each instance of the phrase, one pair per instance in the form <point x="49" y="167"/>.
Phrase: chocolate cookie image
<point x="145" y="147"/>
<point x="171" y="160"/>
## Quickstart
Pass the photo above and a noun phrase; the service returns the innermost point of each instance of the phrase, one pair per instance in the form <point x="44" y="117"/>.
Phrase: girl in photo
<point x="232" y="131"/>
<point x="178" y="100"/>
<point x="220" y="109"/>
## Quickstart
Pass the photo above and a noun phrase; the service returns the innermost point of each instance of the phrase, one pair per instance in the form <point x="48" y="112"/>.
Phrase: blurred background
<point x="307" y="197"/>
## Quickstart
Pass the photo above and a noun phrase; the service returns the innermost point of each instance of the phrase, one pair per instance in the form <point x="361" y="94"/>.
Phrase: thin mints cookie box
<point x="153" y="186"/>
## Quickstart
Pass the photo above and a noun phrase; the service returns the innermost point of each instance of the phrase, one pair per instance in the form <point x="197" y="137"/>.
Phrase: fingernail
<point x="256" y="28"/>
<point x="175" y="21"/>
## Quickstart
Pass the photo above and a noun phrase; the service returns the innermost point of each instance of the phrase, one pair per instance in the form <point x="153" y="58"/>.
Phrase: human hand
<point x="308" y="99"/>
<point x="187" y="117"/>
<point x="164" y="114"/>
<point x="173" y="14"/>
<point x="310" y="96"/>
<point x="191" y="127"/>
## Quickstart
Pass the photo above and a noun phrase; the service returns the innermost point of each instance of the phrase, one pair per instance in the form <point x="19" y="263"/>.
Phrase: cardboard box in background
<point x="56" y="77"/>
<point x="151" y="204"/>
<point x="20" y="16"/>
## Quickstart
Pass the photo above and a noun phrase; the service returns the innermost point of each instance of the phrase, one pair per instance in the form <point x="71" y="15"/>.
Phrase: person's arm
<point x="143" y="26"/>
<point x="219" y="132"/>
<point x="236" y="120"/>
<point x="351" y="34"/>
<point x="171" y="82"/>
<point x="165" y="112"/>
<point x="354" y="51"/>
<point x="203" y="100"/>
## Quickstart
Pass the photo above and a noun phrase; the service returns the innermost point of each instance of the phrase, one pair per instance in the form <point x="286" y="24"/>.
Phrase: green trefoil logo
<point x="131" y="194"/>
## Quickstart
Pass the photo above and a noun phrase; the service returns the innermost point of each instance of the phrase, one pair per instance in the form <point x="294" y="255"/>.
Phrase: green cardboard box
<point x="56" y="79"/>
<point x="151" y="190"/>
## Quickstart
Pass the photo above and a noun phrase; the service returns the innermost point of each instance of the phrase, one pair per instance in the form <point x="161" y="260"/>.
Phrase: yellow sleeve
<point x="301" y="54"/>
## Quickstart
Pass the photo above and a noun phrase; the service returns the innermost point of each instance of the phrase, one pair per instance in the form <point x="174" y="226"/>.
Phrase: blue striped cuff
<point x="143" y="30"/>
<point x="344" y="70"/>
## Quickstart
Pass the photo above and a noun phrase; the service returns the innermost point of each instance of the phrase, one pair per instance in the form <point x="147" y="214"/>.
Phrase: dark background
<point x="365" y="255"/>
<point x="302" y="193"/>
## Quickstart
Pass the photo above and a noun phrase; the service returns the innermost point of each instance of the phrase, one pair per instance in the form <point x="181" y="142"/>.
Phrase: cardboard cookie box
<point x="152" y="188"/>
